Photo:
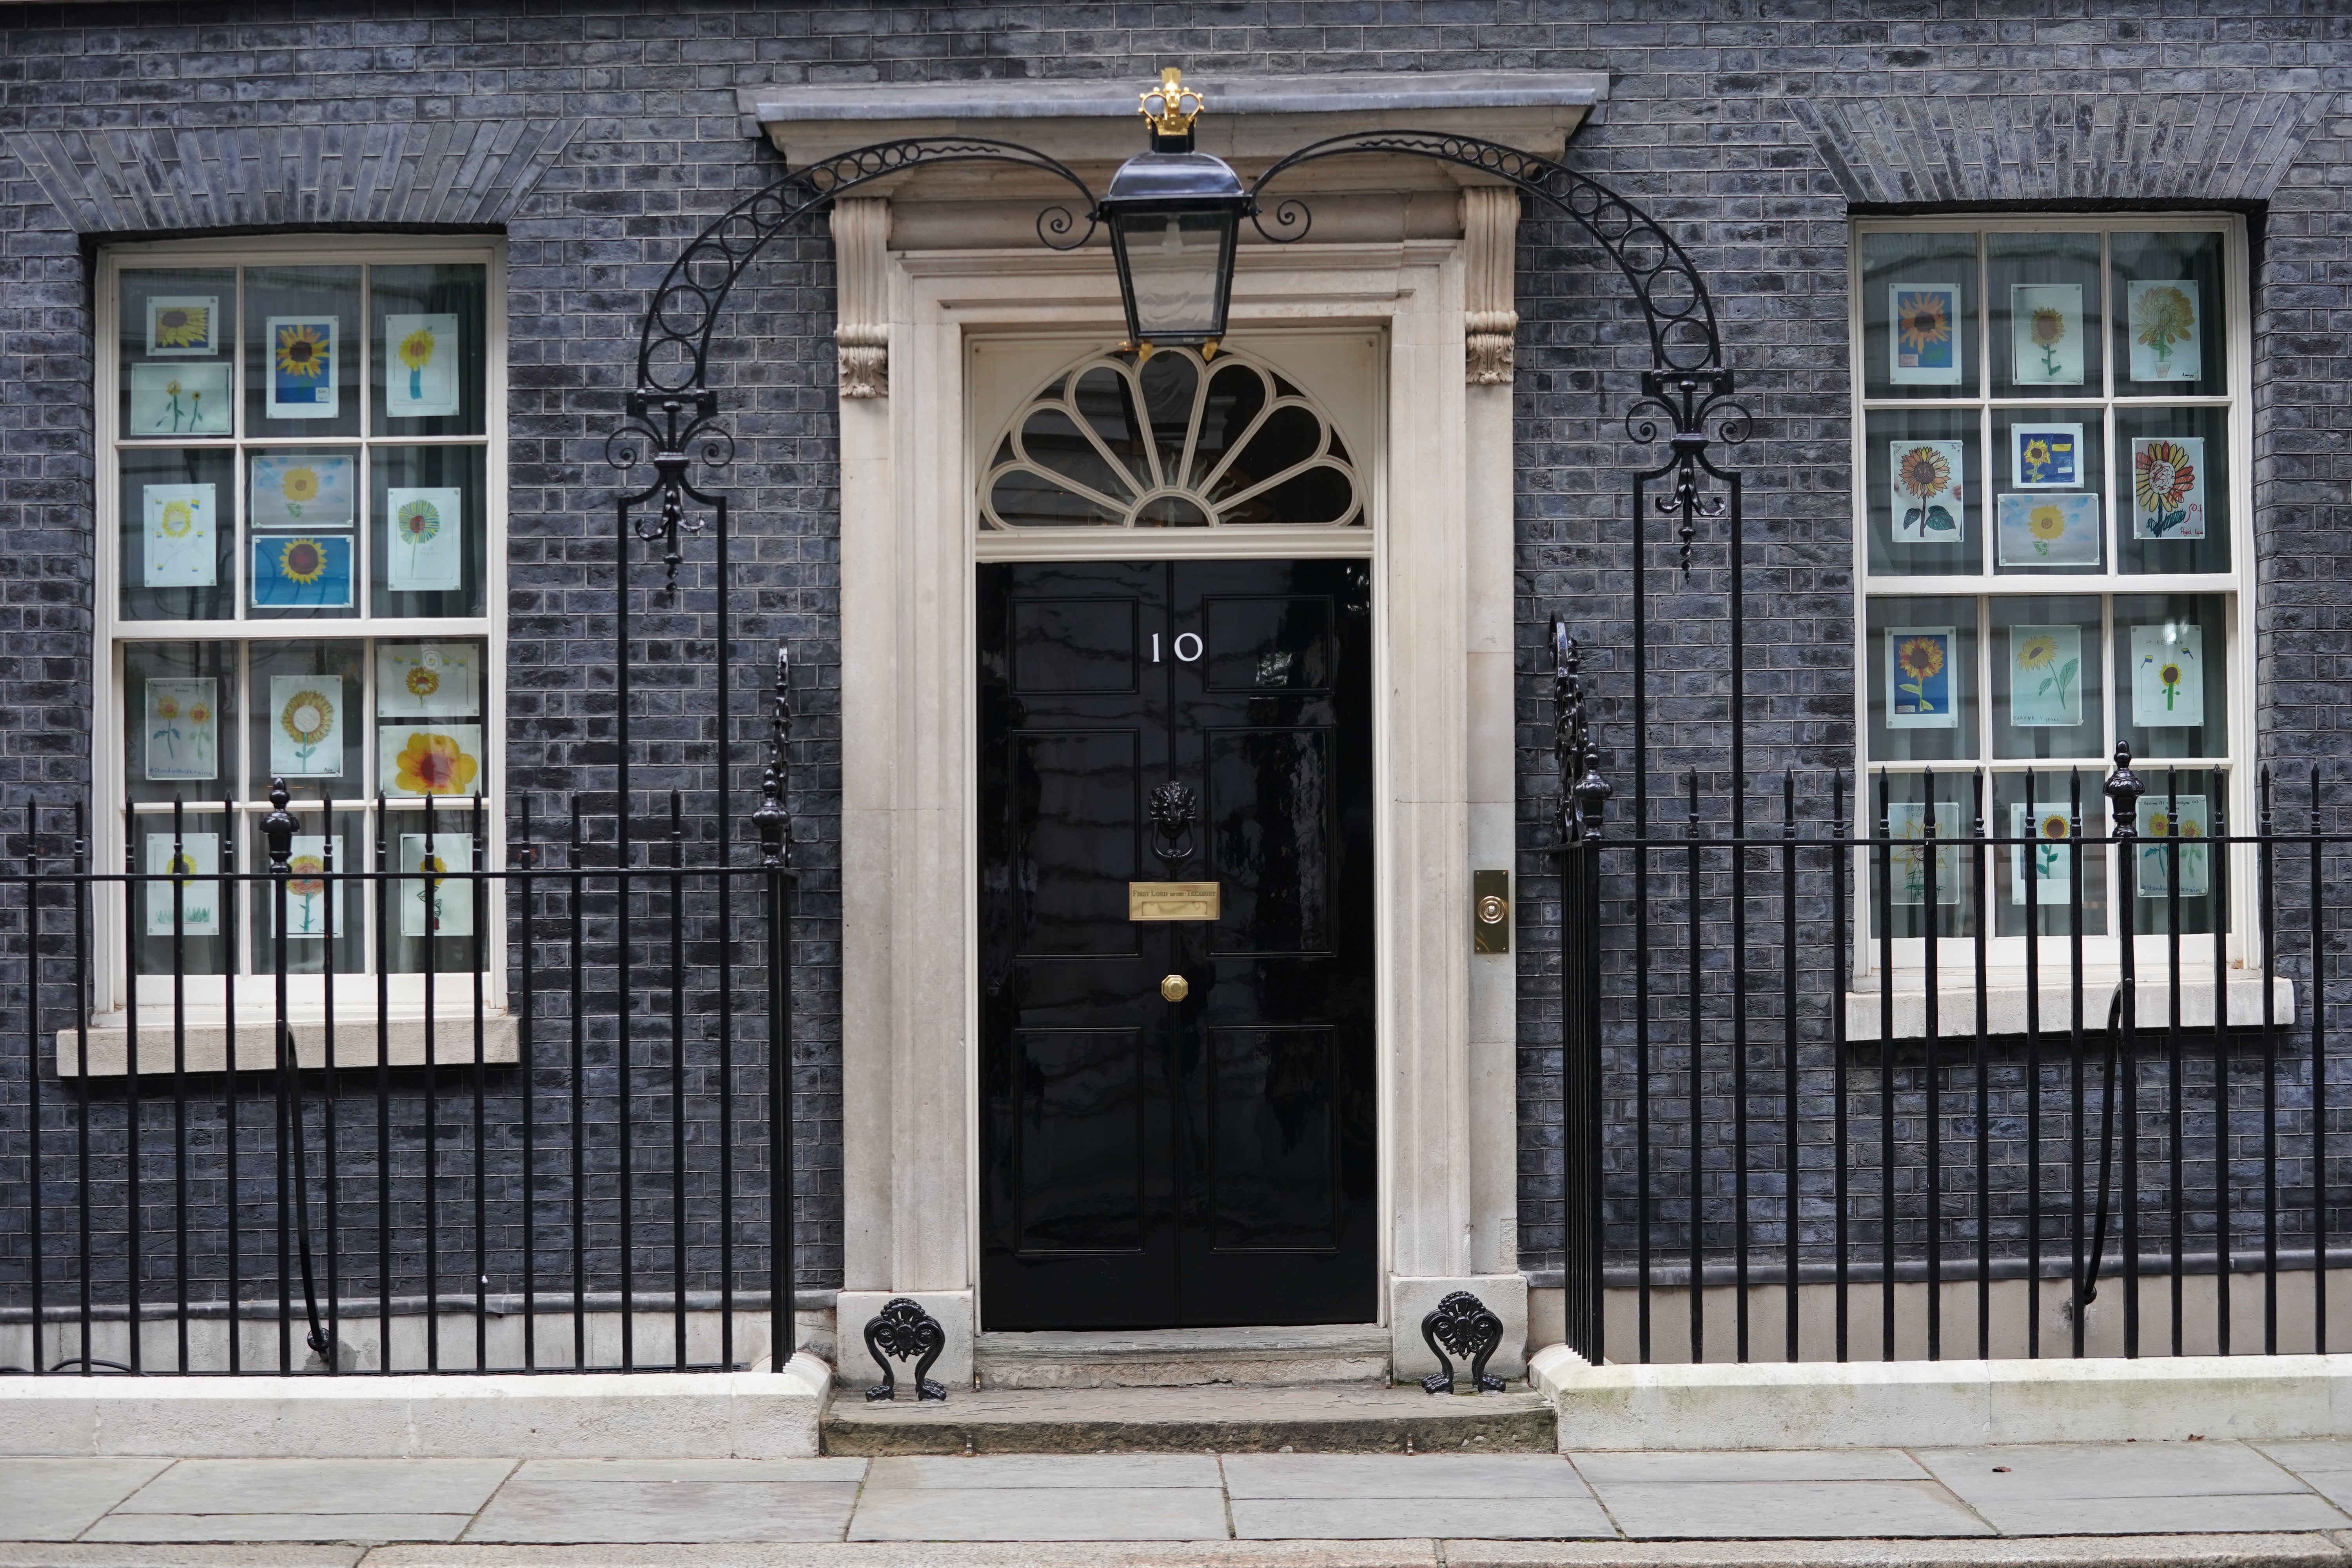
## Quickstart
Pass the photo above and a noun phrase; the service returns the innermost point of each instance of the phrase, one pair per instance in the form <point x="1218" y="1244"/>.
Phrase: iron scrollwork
<point x="1686" y="392"/>
<point x="772" y="821"/>
<point x="1689" y="401"/>
<point x="1583" y="793"/>
<point x="671" y="418"/>
<point x="1469" y="1330"/>
<point x="904" y="1331"/>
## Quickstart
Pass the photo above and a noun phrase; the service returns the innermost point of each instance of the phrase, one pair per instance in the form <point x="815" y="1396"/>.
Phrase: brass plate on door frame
<point x="1490" y="910"/>
<point x="1172" y="900"/>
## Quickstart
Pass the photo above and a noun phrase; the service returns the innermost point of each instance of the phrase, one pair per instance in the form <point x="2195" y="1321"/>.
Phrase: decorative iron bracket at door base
<point x="1467" y="1327"/>
<point x="904" y="1331"/>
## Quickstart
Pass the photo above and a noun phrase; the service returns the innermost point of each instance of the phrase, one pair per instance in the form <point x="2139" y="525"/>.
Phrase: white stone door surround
<point x="1424" y="268"/>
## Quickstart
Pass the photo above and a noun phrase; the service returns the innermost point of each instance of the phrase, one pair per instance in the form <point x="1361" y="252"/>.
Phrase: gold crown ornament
<point x="1171" y="107"/>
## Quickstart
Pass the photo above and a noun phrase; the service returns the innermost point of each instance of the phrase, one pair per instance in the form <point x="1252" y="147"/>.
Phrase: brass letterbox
<point x="1172" y="901"/>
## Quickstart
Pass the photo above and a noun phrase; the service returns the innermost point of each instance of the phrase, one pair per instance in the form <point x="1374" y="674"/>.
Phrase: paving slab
<point x="1701" y="1466"/>
<point x="2126" y="1551"/>
<point x="1040" y="1513"/>
<point x="321" y="1486"/>
<point x="721" y="1471"/>
<point x="2229" y="1514"/>
<point x="1997" y="1551"/>
<point x="1387" y="1518"/>
<point x="1046" y="1471"/>
<point x="637" y="1511"/>
<point x="57" y="1500"/>
<point x="2007" y="1472"/>
<point x="278" y="1527"/>
<point x="2324" y="1465"/>
<point x="2106" y="1489"/>
<point x="1736" y="1510"/>
<point x="179" y="1555"/>
<point x="2303" y="1454"/>
<point x="905" y="1554"/>
<point x="1380" y="1476"/>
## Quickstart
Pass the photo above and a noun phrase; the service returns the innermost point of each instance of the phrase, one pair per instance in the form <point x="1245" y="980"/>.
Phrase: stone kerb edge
<point x="1826" y="1405"/>
<point x="754" y="1414"/>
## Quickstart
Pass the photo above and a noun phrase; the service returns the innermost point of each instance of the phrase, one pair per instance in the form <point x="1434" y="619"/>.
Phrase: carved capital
<point x="861" y="233"/>
<point x="1490" y="235"/>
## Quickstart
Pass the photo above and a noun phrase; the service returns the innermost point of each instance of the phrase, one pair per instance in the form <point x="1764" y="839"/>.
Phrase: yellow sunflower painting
<point x="2050" y="529"/>
<point x="1922" y="659"/>
<point x="1924" y="321"/>
<point x="2045" y="670"/>
<point x="1924" y="333"/>
<point x="438" y="898"/>
<point x="1919" y="678"/>
<point x="302" y="351"/>
<point x="1926" y="485"/>
<point x="182" y="326"/>
<point x="301" y="571"/>
<point x="302" y="366"/>
<point x="2167" y="677"/>
<point x="302" y="560"/>
<point x="434" y="761"/>
<point x="182" y="323"/>
<point x="2168" y="491"/>
<point x="2164" y="323"/>
<point x="2046" y="824"/>
<point x="2047" y="524"/>
<point x="416" y="351"/>
<point x="2166" y="820"/>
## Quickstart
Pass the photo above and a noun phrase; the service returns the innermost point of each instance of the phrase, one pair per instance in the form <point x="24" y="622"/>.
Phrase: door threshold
<point x="1326" y="1419"/>
<point x="1172" y="1358"/>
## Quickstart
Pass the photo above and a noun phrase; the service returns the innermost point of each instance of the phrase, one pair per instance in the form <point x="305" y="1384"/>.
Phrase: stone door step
<point x="1173" y="1358"/>
<point x="1326" y="1418"/>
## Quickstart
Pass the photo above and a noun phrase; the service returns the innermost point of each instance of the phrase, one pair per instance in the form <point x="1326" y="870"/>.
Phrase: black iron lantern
<point x="1173" y="215"/>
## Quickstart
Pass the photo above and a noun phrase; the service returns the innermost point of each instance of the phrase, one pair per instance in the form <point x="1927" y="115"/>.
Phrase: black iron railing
<point x="561" y="1141"/>
<point x="1883" y="1121"/>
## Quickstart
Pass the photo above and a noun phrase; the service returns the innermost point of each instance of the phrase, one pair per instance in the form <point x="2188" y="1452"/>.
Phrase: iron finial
<point x="772" y="822"/>
<point x="279" y="826"/>
<point x="2123" y="789"/>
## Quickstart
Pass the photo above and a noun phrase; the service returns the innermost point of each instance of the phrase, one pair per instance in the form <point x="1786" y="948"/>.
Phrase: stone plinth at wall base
<point x="756" y="1414"/>
<point x="859" y="1372"/>
<point x="1414" y="1297"/>
<point x="1818" y="1404"/>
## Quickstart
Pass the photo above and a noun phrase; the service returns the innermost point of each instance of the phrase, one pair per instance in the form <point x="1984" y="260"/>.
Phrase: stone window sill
<point x="356" y="1041"/>
<point x="2005" y="1010"/>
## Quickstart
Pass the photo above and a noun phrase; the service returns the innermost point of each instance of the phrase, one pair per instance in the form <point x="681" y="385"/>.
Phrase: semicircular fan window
<point x="1174" y="442"/>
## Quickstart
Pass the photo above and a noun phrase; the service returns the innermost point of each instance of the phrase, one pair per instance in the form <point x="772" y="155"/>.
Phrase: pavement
<point x="2212" y="1503"/>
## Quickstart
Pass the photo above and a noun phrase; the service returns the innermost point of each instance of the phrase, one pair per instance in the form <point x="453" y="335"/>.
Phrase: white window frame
<point x="2006" y="956"/>
<point x="356" y="990"/>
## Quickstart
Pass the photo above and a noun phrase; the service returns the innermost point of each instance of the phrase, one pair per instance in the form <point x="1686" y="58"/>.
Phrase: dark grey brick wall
<point x="598" y="136"/>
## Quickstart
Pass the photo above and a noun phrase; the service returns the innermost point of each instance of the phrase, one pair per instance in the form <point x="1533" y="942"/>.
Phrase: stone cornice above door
<point x="961" y="207"/>
<point x="1251" y="120"/>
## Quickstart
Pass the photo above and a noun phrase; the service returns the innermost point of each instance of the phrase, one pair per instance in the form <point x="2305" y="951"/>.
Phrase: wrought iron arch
<point x="672" y="419"/>
<point x="672" y="412"/>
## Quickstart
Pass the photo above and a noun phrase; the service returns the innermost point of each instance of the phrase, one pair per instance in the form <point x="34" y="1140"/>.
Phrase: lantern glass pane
<point x="1174" y="260"/>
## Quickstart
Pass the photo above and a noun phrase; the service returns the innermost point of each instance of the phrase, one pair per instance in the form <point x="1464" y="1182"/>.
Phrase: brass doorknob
<point x="1175" y="987"/>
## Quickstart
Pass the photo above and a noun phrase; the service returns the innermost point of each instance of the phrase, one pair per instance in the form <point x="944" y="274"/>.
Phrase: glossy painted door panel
<point x="1207" y="1161"/>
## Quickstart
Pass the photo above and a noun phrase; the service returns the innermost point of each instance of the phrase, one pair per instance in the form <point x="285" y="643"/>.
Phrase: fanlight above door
<point x="1174" y="442"/>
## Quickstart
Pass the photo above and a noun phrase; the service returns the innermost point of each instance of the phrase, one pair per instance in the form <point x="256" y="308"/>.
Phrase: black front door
<point x="1206" y="1161"/>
